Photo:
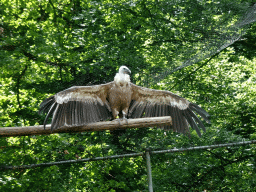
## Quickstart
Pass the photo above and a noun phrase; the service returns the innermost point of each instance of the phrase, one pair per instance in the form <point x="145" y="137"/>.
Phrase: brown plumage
<point x="80" y="105"/>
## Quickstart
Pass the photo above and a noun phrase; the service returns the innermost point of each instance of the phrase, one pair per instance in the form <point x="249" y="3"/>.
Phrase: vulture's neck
<point x="122" y="79"/>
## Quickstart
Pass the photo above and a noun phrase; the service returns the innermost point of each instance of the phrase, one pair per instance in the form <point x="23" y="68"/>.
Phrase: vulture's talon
<point x="119" y="121"/>
<point x="122" y="119"/>
<point x="125" y="119"/>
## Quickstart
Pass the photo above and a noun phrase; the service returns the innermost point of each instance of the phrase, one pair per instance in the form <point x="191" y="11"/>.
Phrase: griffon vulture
<point x="80" y="105"/>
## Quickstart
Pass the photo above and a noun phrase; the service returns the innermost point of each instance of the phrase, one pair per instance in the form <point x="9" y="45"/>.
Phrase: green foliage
<point x="48" y="46"/>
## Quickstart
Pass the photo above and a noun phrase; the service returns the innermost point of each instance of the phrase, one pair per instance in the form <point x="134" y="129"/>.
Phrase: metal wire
<point x="130" y="155"/>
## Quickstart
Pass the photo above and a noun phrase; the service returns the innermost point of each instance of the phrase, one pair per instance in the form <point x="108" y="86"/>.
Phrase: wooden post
<point x="98" y="126"/>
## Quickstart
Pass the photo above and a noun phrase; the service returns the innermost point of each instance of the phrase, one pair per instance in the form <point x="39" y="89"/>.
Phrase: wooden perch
<point x="98" y="126"/>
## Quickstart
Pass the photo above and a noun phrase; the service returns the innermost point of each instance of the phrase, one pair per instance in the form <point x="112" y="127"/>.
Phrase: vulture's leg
<point x="115" y="113"/>
<point x="124" y="116"/>
<point x="117" y="131"/>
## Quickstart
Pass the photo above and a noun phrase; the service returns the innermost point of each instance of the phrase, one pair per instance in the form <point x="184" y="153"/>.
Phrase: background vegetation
<point x="48" y="46"/>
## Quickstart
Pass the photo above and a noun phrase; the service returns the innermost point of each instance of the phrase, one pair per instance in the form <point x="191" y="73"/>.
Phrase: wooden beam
<point x="98" y="126"/>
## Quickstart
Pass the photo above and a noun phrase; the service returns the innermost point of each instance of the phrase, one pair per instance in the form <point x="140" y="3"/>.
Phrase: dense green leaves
<point x="48" y="46"/>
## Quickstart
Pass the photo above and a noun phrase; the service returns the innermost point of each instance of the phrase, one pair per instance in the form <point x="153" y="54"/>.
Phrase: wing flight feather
<point x="77" y="105"/>
<point x="154" y="103"/>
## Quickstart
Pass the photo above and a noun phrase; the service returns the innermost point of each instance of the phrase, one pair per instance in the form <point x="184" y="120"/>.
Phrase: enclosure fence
<point x="147" y="153"/>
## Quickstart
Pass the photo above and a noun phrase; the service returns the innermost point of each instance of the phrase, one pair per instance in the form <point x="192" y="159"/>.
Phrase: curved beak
<point x="127" y="71"/>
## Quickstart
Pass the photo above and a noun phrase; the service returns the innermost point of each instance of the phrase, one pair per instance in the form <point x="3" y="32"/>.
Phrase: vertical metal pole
<point x="150" y="184"/>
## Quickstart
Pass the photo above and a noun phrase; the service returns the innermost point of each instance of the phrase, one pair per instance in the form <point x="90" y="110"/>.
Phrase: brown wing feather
<point x="77" y="105"/>
<point x="153" y="103"/>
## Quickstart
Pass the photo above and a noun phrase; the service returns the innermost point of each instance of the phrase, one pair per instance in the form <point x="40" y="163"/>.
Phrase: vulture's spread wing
<point x="77" y="105"/>
<point x="153" y="103"/>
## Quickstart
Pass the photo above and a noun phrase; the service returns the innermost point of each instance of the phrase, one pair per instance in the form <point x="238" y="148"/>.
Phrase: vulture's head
<point x="124" y="70"/>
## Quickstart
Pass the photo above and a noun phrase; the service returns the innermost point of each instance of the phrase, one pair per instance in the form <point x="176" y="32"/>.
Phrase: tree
<point x="47" y="46"/>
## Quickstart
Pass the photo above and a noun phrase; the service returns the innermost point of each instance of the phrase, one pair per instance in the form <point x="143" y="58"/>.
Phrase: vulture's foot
<point x="121" y="119"/>
<point x="119" y="131"/>
<point x="125" y="119"/>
